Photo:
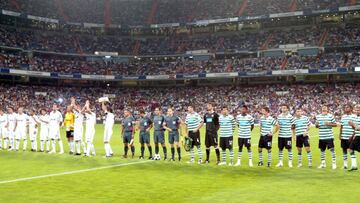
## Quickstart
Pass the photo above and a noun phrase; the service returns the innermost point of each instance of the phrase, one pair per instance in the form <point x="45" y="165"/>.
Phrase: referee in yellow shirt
<point x="69" y="125"/>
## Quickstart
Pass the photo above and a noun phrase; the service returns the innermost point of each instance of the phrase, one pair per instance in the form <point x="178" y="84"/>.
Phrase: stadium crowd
<point x="141" y="12"/>
<point x="88" y="44"/>
<point x="66" y="64"/>
<point x="309" y="97"/>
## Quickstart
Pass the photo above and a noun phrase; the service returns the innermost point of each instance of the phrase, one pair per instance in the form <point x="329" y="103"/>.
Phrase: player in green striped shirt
<point x="325" y="122"/>
<point x="267" y="124"/>
<point x="346" y="131"/>
<point x="227" y="127"/>
<point x="301" y="131"/>
<point x="193" y="123"/>
<point x="245" y="126"/>
<point x="355" y="143"/>
<point x="285" y="125"/>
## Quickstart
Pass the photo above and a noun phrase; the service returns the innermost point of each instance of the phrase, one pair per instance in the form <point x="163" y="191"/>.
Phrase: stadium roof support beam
<point x="293" y="5"/>
<point x="152" y="15"/>
<point x="61" y="10"/>
<point x="107" y="13"/>
<point x="16" y="4"/>
<point x="242" y="8"/>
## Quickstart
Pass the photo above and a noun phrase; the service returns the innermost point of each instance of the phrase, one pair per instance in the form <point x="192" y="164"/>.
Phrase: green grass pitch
<point x="65" y="178"/>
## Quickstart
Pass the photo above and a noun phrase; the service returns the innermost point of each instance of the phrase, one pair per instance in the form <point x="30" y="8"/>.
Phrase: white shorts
<point x="54" y="133"/>
<point x="3" y="133"/>
<point x="78" y="133"/>
<point x="11" y="134"/>
<point x="107" y="134"/>
<point x="44" y="134"/>
<point x="89" y="134"/>
<point x="33" y="133"/>
<point x="20" y="134"/>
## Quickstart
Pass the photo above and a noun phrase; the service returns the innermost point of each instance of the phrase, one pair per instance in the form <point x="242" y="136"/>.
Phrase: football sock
<point x="309" y="156"/>
<point x="126" y="148"/>
<point x="290" y="155"/>
<point x="299" y="158"/>
<point x="150" y="150"/>
<point x="165" y="152"/>
<point x="172" y="152"/>
<point x="199" y="152"/>
<point x="223" y="154"/>
<point x="142" y="149"/>
<point x="217" y="151"/>
<point x="179" y="152"/>
<point x="322" y="155"/>
<point x="24" y="144"/>
<point x="207" y="154"/>
<point x="333" y="155"/>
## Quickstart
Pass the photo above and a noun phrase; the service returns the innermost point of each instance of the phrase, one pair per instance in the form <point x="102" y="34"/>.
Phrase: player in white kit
<point x="3" y="130"/>
<point x="33" y="129"/>
<point x="20" y="129"/>
<point x="78" y="126"/>
<point x="78" y="129"/>
<point x="11" y="127"/>
<point x="55" y="121"/>
<point x="90" y="118"/>
<point x="109" y="121"/>
<point x="44" y="131"/>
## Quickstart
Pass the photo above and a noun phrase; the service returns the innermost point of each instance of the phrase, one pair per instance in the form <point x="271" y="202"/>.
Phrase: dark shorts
<point x="127" y="137"/>
<point x="173" y="137"/>
<point x="211" y="139"/>
<point x="355" y="144"/>
<point x="284" y="142"/>
<point x="265" y="142"/>
<point x="159" y="137"/>
<point x="326" y="144"/>
<point x="302" y="141"/>
<point x="195" y="137"/>
<point x="345" y="144"/>
<point x="144" y="138"/>
<point x="226" y="143"/>
<point x="244" y="142"/>
<point x="70" y="134"/>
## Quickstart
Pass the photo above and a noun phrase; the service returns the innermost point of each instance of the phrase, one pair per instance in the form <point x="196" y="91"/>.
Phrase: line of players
<point x="14" y="126"/>
<point x="13" y="129"/>
<point x="287" y="126"/>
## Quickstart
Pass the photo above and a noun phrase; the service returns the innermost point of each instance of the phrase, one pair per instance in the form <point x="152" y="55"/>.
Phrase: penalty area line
<point x="72" y="172"/>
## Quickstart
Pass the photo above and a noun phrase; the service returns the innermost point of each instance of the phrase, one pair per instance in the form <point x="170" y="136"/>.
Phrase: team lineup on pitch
<point x="288" y="127"/>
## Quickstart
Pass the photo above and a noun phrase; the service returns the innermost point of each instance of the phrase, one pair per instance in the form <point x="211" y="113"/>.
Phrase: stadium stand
<point x="310" y="97"/>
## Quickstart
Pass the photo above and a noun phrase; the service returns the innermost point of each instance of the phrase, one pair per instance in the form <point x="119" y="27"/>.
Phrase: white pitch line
<point x="87" y="170"/>
<point x="72" y="172"/>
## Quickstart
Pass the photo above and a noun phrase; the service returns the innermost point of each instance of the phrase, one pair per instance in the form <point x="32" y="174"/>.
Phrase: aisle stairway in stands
<point x="152" y="15"/>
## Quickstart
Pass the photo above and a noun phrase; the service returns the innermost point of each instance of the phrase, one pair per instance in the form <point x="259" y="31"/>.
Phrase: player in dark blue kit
<point x="127" y="132"/>
<point x="159" y="120"/>
<point x="145" y="124"/>
<point x="172" y="125"/>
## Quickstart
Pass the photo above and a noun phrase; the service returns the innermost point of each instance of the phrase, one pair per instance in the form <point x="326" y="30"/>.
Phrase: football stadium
<point x="179" y="101"/>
